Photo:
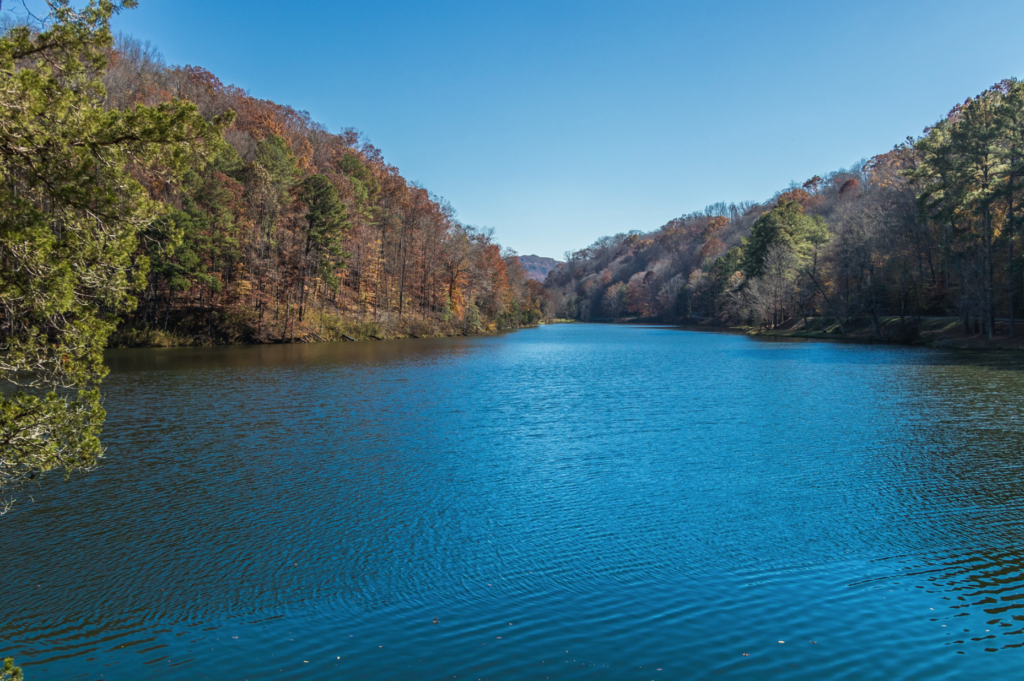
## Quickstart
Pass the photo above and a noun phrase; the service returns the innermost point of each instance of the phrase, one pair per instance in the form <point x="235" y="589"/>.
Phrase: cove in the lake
<point x="569" y="502"/>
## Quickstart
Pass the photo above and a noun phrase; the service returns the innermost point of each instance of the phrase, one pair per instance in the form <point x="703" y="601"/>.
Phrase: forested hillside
<point x="294" y="232"/>
<point x="929" y="228"/>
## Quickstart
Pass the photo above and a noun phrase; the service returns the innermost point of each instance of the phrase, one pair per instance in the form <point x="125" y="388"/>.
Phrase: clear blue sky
<point x="558" y="122"/>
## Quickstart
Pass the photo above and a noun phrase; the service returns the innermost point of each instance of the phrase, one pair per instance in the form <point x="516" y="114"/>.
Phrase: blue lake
<point x="569" y="502"/>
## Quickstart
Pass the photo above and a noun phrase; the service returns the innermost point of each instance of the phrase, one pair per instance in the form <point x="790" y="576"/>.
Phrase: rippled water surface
<point x="570" y="502"/>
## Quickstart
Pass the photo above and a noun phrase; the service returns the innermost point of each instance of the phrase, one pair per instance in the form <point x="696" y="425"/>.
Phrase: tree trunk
<point x="990" y="301"/>
<point x="1010" y="231"/>
<point x="874" y="301"/>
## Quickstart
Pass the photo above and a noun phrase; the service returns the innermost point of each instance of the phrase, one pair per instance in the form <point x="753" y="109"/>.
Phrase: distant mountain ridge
<point x="537" y="267"/>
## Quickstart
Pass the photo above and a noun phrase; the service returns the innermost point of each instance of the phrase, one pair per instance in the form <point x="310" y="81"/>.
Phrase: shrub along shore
<point x="336" y="329"/>
<point x="935" y="332"/>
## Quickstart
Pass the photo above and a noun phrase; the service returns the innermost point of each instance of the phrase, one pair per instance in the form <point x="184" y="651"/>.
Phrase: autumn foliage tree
<point x="291" y="218"/>
<point x="931" y="227"/>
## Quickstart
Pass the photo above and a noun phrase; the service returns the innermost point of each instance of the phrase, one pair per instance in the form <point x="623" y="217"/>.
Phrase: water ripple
<point x="568" y="502"/>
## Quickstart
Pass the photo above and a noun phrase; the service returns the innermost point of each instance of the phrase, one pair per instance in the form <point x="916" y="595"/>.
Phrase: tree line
<point x="930" y="228"/>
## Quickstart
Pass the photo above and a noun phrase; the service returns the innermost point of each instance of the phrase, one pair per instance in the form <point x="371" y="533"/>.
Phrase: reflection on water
<point x="569" y="502"/>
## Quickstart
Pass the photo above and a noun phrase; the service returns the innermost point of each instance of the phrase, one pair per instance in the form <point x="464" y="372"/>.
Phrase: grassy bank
<point x="320" y="329"/>
<point x="944" y="332"/>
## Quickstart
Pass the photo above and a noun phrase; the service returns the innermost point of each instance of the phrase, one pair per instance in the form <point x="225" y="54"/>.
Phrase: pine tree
<point x="1010" y="115"/>
<point x="785" y="224"/>
<point x="327" y="222"/>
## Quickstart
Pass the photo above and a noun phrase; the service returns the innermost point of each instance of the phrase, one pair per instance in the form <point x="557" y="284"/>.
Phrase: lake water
<point x="570" y="502"/>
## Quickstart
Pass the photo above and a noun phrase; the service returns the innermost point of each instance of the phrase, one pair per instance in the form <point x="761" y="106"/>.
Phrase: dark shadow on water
<point x="242" y="356"/>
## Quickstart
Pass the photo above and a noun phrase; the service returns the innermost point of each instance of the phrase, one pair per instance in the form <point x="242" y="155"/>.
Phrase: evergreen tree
<point x="365" y="187"/>
<point x="1010" y="115"/>
<point x="68" y="229"/>
<point x="974" y="148"/>
<point x="785" y="224"/>
<point x="327" y="221"/>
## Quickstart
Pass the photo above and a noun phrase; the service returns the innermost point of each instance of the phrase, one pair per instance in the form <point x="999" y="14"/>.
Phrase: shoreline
<point x="156" y="340"/>
<point x="931" y="332"/>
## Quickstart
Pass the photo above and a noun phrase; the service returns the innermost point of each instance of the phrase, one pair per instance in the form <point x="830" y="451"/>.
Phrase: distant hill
<point x="537" y="267"/>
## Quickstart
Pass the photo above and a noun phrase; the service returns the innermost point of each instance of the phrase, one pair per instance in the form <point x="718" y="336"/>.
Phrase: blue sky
<point x="559" y="122"/>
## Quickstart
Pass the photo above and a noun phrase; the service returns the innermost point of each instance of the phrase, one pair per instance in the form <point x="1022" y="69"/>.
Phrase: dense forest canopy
<point x="294" y="232"/>
<point x="928" y="228"/>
